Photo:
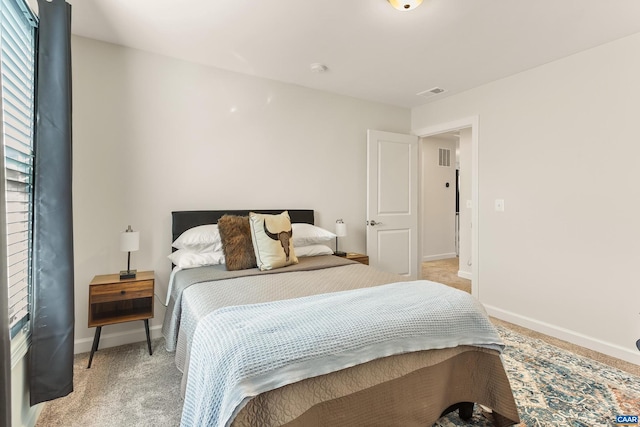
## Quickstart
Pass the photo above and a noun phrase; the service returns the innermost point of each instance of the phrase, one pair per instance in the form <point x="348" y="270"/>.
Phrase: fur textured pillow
<point x="237" y="246"/>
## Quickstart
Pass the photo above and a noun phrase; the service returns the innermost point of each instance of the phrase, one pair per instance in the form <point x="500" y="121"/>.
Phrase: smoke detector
<point x="317" y="67"/>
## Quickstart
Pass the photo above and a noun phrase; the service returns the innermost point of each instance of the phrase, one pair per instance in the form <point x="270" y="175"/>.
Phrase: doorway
<point x="439" y="224"/>
<point x="445" y="224"/>
<point x="465" y="132"/>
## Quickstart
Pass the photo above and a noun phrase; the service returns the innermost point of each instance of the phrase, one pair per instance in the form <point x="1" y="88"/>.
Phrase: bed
<point x="337" y="373"/>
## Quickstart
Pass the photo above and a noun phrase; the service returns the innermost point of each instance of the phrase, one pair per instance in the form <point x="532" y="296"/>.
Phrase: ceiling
<point x="372" y="51"/>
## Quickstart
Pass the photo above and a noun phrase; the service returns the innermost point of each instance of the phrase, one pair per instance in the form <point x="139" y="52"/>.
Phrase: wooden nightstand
<point x="363" y="259"/>
<point x="112" y="300"/>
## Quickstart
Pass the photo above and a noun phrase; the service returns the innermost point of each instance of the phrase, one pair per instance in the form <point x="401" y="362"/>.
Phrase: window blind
<point x="17" y="62"/>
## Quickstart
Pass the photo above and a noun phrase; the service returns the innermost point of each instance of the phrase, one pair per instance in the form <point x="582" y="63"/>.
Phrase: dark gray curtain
<point x="51" y="353"/>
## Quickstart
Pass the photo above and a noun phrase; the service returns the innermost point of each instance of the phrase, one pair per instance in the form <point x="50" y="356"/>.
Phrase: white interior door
<point x="392" y="202"/>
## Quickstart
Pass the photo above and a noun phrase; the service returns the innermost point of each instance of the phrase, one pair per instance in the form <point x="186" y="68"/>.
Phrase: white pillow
<point x="307" y="234"/>
<point x="203" y="238"/>
<point x="184" y="258"/>
<point x="313" y="250"/>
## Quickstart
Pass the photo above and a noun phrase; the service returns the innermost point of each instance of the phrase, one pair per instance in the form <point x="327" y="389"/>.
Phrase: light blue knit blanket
<point x="239" y="352"/>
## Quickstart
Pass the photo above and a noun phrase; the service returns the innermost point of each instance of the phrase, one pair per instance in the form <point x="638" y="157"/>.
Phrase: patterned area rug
<point x="553" y="387"/>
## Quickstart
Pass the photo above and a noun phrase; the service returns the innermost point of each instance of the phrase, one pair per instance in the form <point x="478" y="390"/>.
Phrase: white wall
<point x="465" y="253"/>
<point x="559" y="144"/>
<point x="154" y="134"/>
<point x="438" y="200"/>
<point x="22" y="414"/>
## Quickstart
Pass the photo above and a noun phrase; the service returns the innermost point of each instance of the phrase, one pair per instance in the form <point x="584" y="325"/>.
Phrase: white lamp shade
<point x="129" y="241"/>
<point x="341" y="229"/>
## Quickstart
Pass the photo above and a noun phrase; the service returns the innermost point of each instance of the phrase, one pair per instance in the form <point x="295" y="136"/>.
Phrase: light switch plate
<point x="469" y="205"/>
<point x="499" y="205"/>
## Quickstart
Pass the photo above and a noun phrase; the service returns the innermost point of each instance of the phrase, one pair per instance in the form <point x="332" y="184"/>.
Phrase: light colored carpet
<point x="124" y="387"/>
<point x="445" y="271"/>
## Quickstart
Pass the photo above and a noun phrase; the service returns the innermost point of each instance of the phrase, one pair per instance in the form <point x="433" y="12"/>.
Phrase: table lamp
<point x="341" y="231"/>
<point x="129" y="242"/>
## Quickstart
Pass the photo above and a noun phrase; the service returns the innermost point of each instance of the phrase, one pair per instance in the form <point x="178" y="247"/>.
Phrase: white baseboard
<point x="465" y="275"/>
<point x="613" y="350"/>
<point x="34" y="413"/>
<point x="438" y="257"/>
<point x="115" y="339"/>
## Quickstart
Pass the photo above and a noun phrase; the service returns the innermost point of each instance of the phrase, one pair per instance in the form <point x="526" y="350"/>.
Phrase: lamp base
<point x="340" y="253"/>
<point x="128" y="274"/>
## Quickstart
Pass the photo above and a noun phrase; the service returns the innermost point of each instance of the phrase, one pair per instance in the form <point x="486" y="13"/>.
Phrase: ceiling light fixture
<point x="405" y="5"/>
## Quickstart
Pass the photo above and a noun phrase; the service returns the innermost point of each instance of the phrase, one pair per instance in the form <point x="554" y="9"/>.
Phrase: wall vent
<point x="431" y="92"/>
<point x="444" y="157"/>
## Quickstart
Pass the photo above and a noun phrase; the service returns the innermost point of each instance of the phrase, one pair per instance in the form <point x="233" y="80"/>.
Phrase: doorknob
<point x="373" y="223"/>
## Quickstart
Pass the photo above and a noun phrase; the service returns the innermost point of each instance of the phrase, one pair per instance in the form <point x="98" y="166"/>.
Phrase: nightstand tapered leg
<point x="146" y="328"/>
<point x="96" y="341"/>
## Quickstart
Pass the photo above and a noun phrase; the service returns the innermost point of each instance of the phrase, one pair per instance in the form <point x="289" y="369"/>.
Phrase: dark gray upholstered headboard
<point x="184" y="220"/>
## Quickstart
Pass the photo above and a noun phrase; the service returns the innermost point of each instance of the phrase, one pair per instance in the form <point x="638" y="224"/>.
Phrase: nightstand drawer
<point x="120" y="292"/>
